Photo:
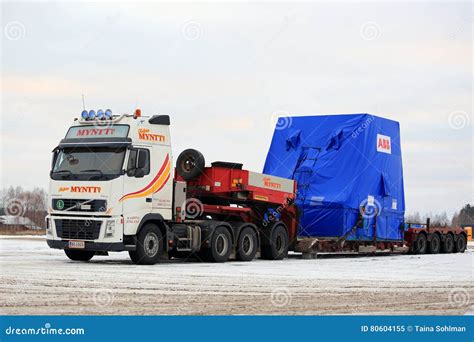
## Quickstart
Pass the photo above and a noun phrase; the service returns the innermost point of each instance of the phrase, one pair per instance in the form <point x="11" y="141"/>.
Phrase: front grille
<point x="74" y="204"/>
<point x="77" y="229"/>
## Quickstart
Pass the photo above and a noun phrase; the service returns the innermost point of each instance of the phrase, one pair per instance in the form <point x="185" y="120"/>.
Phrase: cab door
<point x="162" y="193"/>
<point x="138" y="179"/>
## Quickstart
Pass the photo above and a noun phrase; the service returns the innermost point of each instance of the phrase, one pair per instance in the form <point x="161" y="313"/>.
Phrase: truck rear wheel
<point x="149" y="246"/>
<point x="79" y="255"/>
<point x="246" y="245"/>
<point x="434" y="245"/>
<point x="278" y="247"/>
<point x="448" y="244"/>
<point x="420" y="244"/>
<point x="461" y="243"/>
<point x="221" y="244"/>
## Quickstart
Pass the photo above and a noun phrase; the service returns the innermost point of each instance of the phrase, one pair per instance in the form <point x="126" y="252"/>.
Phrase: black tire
<point x="221" y="246"/>
<point x="79" y="255"/>
<point x="190" y="164"/>
<point x="278" y="247"/>
<point x="434" y="245"/>
<point x="461" y="244"/>
<point x="420" y="244"/>
<point x="149" y="246"/>
<point x="448" y="244"/>
<point x="246" y="245"/>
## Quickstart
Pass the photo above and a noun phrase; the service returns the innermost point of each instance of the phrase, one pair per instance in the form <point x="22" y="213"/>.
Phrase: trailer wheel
<point x="246" y="245"/>
<point x="190" y="164"/>
<point x="461" y="243"/>
<point x="79" y="255"/>
<point x="278" y="247"/>
<point x="149" y="246"/>
<point x="448" y="244"/>
<point x="420" y="244"/>
<point x="435" y="244"/>
<point x="221" y="246"/>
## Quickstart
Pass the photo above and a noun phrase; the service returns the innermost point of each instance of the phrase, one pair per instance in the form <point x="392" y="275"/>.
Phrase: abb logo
<point x="384" y="144"/>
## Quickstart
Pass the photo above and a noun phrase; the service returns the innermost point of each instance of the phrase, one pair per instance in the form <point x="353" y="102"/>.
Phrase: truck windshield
<point x="88" y="163"/>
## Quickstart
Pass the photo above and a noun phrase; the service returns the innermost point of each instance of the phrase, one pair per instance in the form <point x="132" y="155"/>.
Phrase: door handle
<point x="149" y="199"/>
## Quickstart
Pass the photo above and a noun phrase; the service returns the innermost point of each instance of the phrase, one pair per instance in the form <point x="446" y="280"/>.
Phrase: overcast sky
<point x="223" y="71"/>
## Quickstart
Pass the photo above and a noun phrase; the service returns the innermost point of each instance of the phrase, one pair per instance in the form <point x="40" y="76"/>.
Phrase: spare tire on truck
<point x="190" y="164"/>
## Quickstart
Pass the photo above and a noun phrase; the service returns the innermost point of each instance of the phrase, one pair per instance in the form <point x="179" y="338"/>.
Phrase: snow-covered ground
<point x="38" y="280"/>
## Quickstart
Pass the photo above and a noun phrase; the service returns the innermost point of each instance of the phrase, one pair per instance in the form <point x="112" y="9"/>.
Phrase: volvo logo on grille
<point x="60" y="204"/>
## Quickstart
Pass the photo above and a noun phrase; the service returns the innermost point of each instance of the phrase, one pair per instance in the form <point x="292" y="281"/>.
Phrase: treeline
<point x="463" y="217"/>
<point x="18" y="202"/>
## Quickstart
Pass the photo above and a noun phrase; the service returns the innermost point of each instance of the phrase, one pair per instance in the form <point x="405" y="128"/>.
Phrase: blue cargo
<point x="347" y="167"/>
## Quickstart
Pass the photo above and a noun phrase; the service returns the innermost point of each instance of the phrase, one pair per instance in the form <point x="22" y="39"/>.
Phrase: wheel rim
<point x="222" y="244"/>
<point x="188" y="164"/>
<point x="247" y="244"/>
<point x="435" y="244"/>
<point x="151" y="244"/>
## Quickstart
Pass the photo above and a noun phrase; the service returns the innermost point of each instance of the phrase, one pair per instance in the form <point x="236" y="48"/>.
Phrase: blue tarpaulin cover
<point x="342" y="163"/>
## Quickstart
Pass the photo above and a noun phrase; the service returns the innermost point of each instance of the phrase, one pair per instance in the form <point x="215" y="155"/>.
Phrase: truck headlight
<point x="110" y="228"/>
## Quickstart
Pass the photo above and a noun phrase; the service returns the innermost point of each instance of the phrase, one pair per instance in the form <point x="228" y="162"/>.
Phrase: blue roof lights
<point x="93" y="115"/>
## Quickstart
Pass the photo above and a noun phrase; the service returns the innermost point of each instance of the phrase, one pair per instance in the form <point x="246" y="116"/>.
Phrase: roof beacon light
<point x="138" y="113"/>
<point x="84" y="114"/>
<point x="92" y="114"/>
<point x="108" y="114"/>
<point x="100" y="114"/>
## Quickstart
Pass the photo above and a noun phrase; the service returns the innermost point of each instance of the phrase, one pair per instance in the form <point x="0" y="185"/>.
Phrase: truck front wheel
<point x="149" y="246"/>
<point x="79" y="255"/>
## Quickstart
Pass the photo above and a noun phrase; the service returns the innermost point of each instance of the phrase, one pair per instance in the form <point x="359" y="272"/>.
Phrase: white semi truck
<point x="113" y="188"/>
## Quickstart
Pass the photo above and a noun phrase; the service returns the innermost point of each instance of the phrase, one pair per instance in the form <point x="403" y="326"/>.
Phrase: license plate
<point x="76" y="244"/>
